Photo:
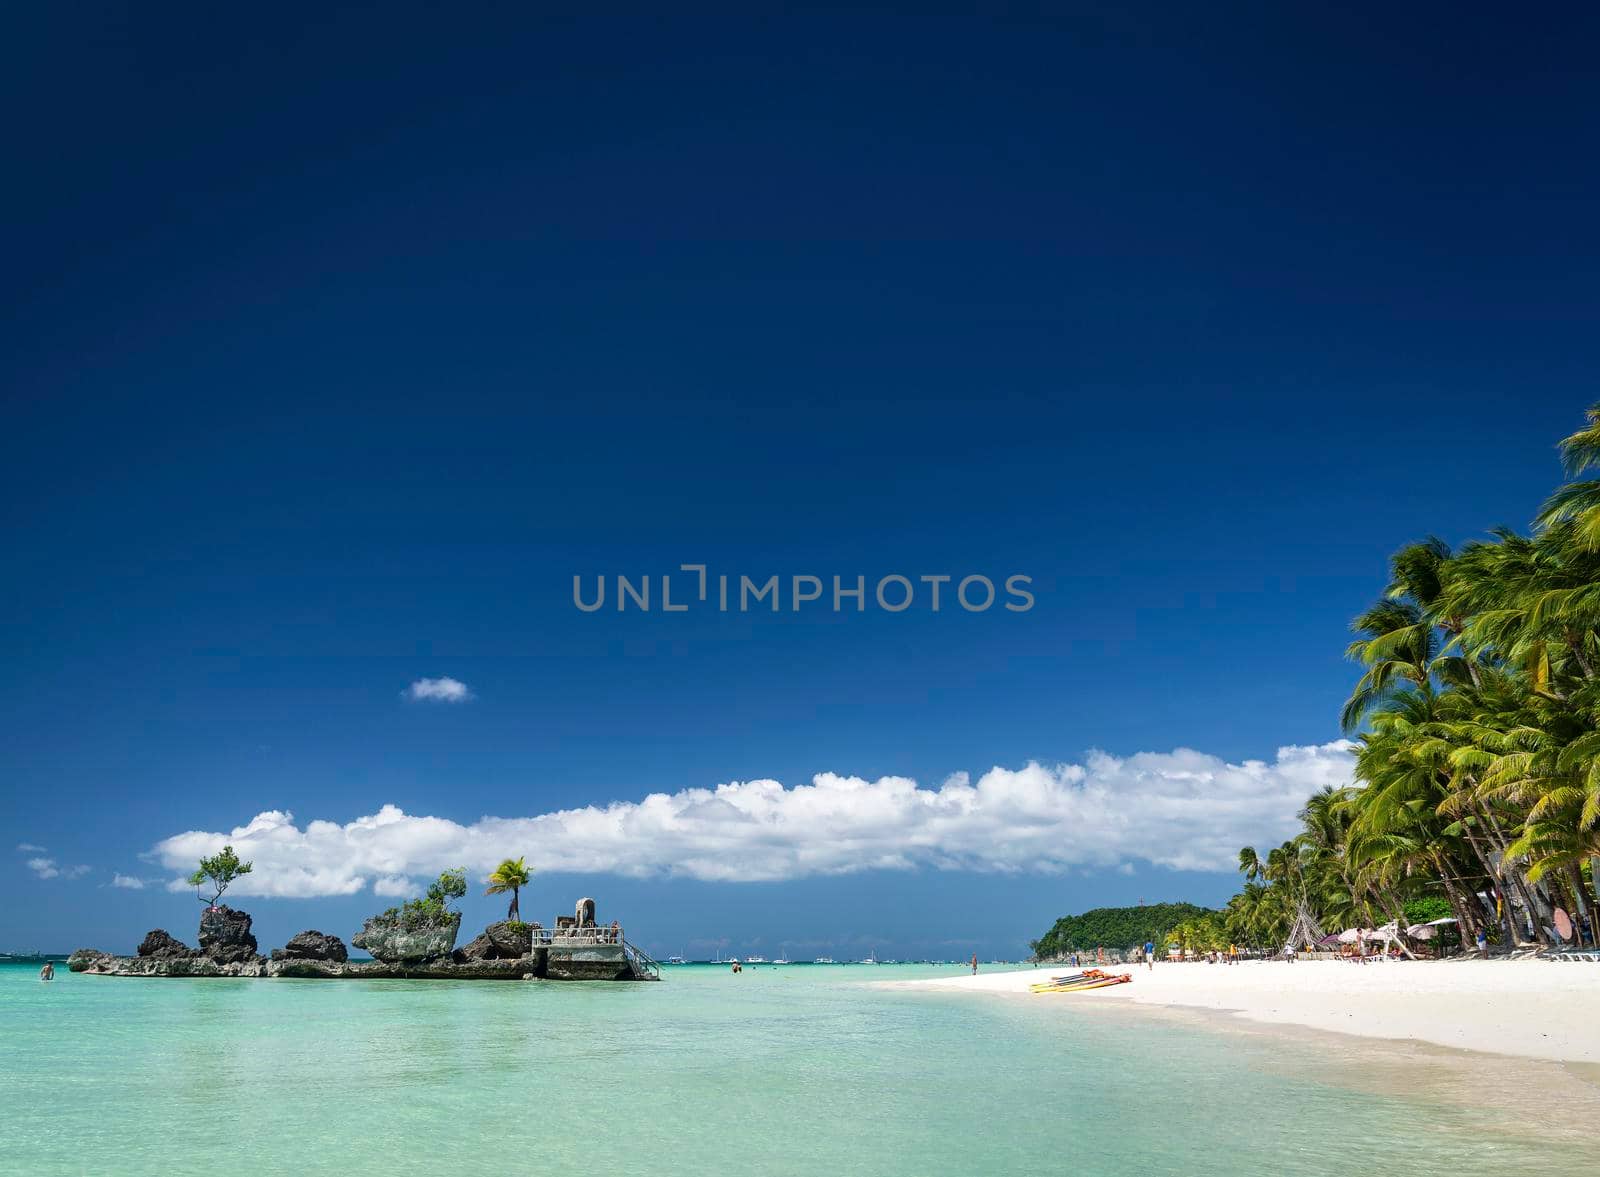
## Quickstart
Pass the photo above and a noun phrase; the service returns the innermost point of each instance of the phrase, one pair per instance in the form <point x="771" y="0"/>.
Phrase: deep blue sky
<point x="335" y="344"/>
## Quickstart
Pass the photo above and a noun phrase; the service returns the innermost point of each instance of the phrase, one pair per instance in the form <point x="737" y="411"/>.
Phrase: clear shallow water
<point x="794" y="1070"/>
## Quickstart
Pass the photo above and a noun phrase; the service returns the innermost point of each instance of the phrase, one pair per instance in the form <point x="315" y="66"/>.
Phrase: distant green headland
<point x="1120" y="927"/>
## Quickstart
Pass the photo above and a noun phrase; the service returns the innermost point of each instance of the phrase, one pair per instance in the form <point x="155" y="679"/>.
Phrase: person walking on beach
<point x="1150" y="955"/>
<point x="1483" y="942"/>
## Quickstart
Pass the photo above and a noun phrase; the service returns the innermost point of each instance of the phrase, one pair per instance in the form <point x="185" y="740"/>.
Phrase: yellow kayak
<point x="1101" y="982"/>
<point x="1072" y="979"/>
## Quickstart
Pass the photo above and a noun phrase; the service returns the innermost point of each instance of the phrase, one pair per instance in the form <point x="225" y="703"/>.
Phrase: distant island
<point x="1120" y="927"/>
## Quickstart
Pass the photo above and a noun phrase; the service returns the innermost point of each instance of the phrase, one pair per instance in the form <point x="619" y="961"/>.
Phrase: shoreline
<point x="1525" y="1009"/>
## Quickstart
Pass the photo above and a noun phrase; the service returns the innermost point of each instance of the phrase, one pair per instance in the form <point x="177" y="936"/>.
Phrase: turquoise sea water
<point x="797" y="1070"/>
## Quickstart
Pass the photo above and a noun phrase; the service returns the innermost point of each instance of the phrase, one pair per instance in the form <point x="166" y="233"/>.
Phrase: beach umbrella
<point x="1422" y="931"/>
<point x="1349" y="935"/>
<point x="1449" y="919"/>
<point x="1563" y="924"/>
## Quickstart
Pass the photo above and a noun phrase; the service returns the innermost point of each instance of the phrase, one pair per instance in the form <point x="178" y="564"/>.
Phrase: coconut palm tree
<point x="1578" y="502"/>
<point x="511" y="875"/>
<point x="1477" y="769"/>
<point x="1397" y="646"/>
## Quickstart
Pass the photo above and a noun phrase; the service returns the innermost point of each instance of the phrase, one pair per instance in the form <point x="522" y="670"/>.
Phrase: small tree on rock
<point x="451" y="884"/>
<point x="217" y="873"/>
<point x="511" y="875"/>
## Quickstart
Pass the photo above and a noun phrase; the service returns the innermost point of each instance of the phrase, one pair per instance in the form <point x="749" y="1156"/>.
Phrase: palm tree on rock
<point x="511" y="875"/>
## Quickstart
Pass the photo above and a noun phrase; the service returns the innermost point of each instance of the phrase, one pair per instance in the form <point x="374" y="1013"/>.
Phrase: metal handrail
<point x="575" y="937"/>
<point x="644" y="965"/>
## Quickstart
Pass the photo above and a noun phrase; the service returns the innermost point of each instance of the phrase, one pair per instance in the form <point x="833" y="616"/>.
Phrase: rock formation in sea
<point x="158" y="943"/>
<point x="426" y="970"/>
<point x="504" y="940"/>
<point x="313" y="945"/>
<point x="392" y="941"/>
<point x="405" y="942"/>
<point x="195" y="964"/>
<point x="225" y="936"/>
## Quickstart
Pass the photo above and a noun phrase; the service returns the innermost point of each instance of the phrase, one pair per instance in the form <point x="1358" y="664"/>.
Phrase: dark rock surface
<point x="510" y="940"/>
<point x="313" y="945"/>
<point x="499" y="941"/>
<point x="82" y="958"/>
<point x="90" y="960"/>
<point x="393" y="944"/>
<point x="158" y="943"/>
<point x="433" y="970"/>
<point x="87" y="960"/>
<point x="225" y="936"/>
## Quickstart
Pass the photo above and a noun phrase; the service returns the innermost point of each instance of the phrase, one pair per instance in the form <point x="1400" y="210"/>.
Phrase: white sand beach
<point x="1532" y="1009"/>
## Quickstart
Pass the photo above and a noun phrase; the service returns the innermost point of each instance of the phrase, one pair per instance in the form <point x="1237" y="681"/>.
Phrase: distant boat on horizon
<point x="755" y="960"/>
<point x="823" y="960"/>
<point x="872" y="957"/>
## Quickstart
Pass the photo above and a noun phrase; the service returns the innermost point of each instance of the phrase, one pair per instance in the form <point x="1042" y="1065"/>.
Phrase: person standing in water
<point x="48" y="973"/>
<point x="974" y="964"/>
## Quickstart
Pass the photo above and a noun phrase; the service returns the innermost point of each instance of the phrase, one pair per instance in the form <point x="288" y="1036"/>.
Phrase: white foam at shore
<point x="1534" y="1009"/>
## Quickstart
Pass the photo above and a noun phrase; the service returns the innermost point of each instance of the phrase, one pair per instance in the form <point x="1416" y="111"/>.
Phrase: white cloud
<point x="128" y="882"/>
<point x="1183" y="810"/>
<point x="46" y="867"/>
<point x="394" y="886"/>
<point x="437" y="690"/>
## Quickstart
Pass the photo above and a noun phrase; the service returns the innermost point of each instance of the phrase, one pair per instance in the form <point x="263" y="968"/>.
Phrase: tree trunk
<point x="1594" y="899"/>
<point x="1581" y="907"/>
<point x="1495" y="886"/>
<point x="1518" y="880"/>
<point x="1466" y="918"/>
<point x="1588" y="908"/>
<point x="1575" y="644"/>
